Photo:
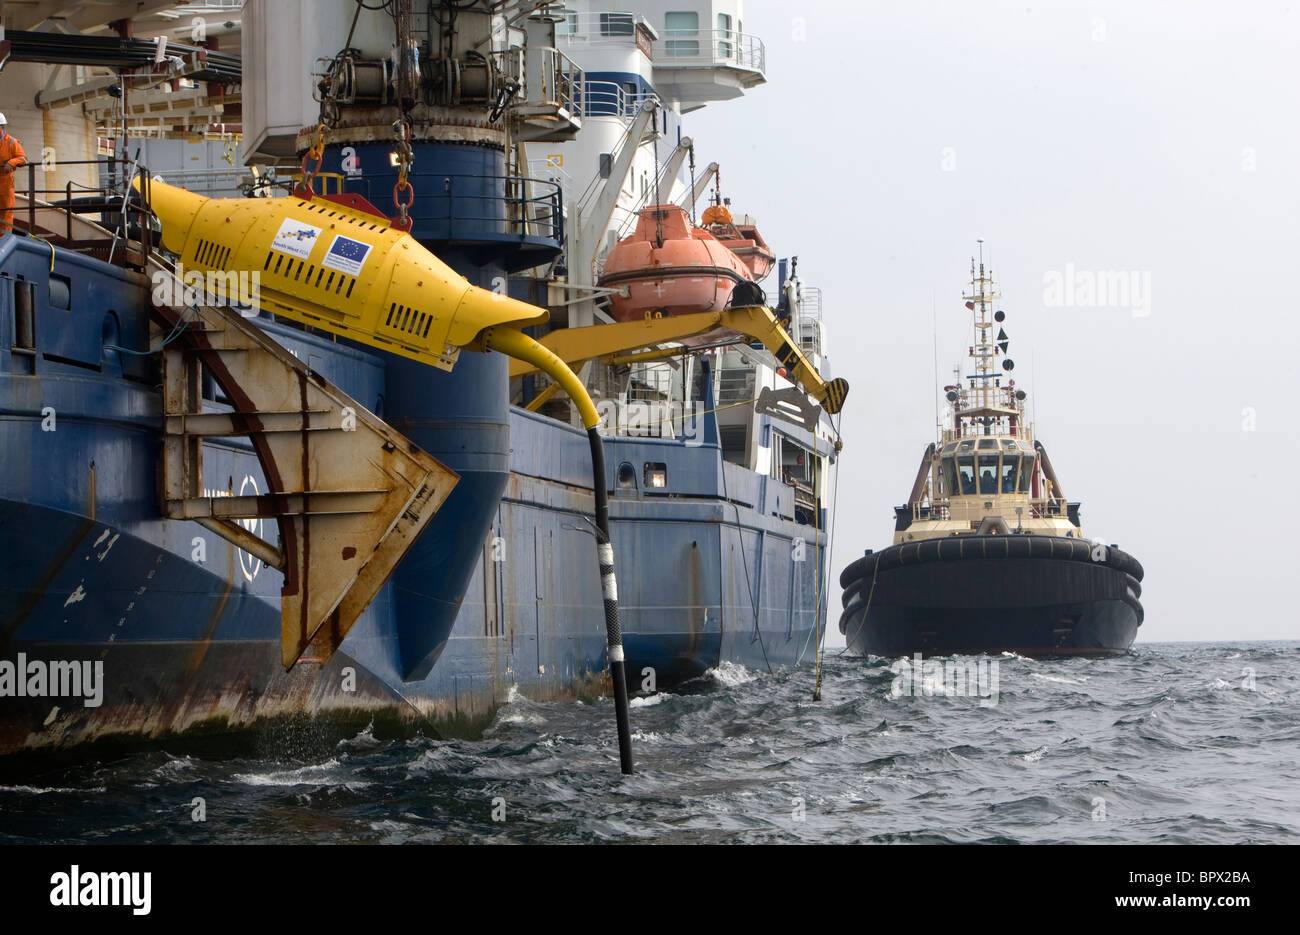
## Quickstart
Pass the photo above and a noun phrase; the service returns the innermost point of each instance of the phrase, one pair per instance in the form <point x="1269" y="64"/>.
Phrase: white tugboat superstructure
<point x="987" y="473"/>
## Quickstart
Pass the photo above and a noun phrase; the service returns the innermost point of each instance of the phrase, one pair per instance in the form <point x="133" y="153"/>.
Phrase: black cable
<point x="613" y="628"/>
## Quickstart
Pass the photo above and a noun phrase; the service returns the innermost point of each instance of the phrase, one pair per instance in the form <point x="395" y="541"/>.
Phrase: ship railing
<point x="468" y="205"/>
<point x="546" y="170"/>
<point x="810" y="302"/>
<point x="610" y="99"/>
<point x="712" y="48"/>
<point x="608" y="27"/>
<point x="549" y="77"/>
<point x="941" y="508"/>
<point x="40" y="210"/>
<point x="1024" y="432"/>
<point x="214" y="182"/>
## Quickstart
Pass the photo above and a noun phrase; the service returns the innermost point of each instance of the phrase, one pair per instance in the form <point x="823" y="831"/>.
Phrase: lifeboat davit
<point x="668" y="266"/>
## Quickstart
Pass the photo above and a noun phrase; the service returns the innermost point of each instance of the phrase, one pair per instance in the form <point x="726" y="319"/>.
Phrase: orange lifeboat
<point x="670" y="267"/>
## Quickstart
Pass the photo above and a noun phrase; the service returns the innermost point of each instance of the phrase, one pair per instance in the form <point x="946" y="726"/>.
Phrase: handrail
<point x="102" y="200"/>
<point x="941" y="507"/>
<point x="478" y="201"/>
<point x="711" y="47"/>
<point x="672" y="46"/>
<point x="609" y="99"/>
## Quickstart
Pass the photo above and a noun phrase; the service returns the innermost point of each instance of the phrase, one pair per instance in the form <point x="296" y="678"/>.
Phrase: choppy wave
<point x="1173" y="743"/>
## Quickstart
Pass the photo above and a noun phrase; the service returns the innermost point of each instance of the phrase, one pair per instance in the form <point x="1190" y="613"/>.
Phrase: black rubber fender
<point x="857" y="574"/>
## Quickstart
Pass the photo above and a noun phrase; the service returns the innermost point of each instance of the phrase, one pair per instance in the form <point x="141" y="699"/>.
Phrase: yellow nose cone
<point x="176" y="210"/>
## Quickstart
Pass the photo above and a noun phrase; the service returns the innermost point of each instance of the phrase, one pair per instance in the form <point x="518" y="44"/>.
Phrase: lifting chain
<point x="315" y="155"/>
<point x="402" y="131"/>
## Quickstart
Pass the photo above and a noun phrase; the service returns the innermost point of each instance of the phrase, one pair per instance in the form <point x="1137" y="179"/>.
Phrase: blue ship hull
<point x="187" y="627"/>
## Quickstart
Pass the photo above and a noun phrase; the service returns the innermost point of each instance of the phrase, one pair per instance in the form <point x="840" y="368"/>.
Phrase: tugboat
<point x="989" y="556"/>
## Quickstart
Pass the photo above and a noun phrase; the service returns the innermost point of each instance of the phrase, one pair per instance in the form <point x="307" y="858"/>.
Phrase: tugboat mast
<point x="984" y="406"/>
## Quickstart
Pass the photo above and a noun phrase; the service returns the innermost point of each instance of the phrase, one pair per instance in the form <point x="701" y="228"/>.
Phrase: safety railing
<point x="40" y="211"/>
<point x="711" y="47"/>
<point x="587" y="28"/>
<point x="941" y="508"/>
<point x="471" y="206"/>
<point x="218" y="181"/>
<point x="609" y="99"/>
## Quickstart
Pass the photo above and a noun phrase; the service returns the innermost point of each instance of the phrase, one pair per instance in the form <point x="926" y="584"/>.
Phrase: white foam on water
<point x="519" y="717"/>
<point x="730" y="674"/>
<point x="317" y="774"/>
<point x="516" y="710"/>
<point x="647" y="701"/>
<point x="37" y="790"/>
<point x="365" y="740"/>
<point x="1060" y="678"/>
<point x="1034" y="755"/>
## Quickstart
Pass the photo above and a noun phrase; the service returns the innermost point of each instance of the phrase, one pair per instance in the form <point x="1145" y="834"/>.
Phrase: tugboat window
<point x="988" y="474"/>
<point x="1009" y="464"/>
<point x="1026" y="472"/>
<point x="949" y="475"/>
<point x="966" y="466"/>
<point x="988" y="443"/>
<point x="967" y="445"/>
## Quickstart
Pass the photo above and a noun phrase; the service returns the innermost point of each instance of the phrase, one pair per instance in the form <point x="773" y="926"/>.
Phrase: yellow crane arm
<point x="574" y="345"/>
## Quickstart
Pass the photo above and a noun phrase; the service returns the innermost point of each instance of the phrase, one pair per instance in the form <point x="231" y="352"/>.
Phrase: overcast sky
<point x="1159" y="140"/>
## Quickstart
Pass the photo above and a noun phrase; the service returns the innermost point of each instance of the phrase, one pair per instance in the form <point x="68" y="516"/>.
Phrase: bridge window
<point x="1009" y="465"/>
<point x="988" y="474"/>
<point x="966" y="468"/>
<point x="616" y="24"/>
<point x="949" y="475"/>
<point x="1026" y="472"/>
<point x="724" y="35"/>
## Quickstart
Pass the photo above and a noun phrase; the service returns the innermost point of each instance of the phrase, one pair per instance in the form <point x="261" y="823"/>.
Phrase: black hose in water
<point x="609" y="585"/>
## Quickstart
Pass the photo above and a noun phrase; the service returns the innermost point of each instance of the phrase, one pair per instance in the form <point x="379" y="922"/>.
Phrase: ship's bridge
<point x="986" y="465"/>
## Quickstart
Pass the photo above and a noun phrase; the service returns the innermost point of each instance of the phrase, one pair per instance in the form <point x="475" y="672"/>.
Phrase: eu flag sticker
<point x="346" y="255"/>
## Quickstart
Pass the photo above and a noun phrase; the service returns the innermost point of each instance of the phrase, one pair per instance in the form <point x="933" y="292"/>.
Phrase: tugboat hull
<point x="1032" y="595"/>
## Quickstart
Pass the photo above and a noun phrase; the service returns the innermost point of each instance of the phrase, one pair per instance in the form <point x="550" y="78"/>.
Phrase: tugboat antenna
<point x="934" y="325"/>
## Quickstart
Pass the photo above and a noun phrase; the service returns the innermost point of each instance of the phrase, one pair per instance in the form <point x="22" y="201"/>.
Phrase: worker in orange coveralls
<point x="11" y="157"/>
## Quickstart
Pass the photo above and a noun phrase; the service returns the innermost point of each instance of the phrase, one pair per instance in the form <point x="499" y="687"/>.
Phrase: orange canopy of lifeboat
<point x="670" y="267"/>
